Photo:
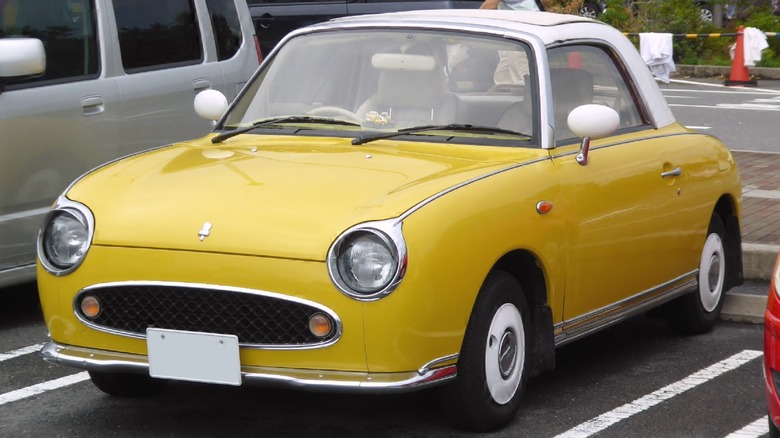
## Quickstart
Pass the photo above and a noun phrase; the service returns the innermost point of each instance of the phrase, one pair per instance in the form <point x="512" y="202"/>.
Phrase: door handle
<point x="674" y="172"/>
<point x="92" y="105"/>
<point x="201" y="84"/>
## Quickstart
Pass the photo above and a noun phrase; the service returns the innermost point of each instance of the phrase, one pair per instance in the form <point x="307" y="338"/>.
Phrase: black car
<point x="593" y="9"/>
<point x="276" y="18"/>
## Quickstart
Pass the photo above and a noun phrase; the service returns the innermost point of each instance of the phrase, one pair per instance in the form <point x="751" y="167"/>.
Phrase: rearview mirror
<point x="590" y="122"/>
<point x="593" y="121"/>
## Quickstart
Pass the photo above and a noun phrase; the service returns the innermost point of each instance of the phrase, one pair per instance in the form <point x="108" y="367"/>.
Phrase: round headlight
<point x="366" y="263"/>
<point x="65" y="239"/>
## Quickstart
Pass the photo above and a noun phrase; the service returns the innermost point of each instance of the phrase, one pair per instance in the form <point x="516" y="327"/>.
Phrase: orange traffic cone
<point x="739" y="73"/>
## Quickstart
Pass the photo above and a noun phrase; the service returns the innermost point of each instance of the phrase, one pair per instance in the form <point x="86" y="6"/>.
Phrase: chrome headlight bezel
<point x="75" y="211"/>
<point x="389" y="234"/>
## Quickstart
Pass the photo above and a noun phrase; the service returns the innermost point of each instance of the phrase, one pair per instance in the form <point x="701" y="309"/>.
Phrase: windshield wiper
<point x="451" y="127"/>
<point x="286" y="119"/>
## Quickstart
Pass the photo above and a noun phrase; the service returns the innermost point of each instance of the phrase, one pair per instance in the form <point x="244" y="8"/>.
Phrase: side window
<point x="67" y="30"/>
<point x="588" y="74"/>
<point x="227" y="27"/>
<point x="156" y="34"/>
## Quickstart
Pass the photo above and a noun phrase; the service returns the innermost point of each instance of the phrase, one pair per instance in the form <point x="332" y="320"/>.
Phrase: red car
<point x="772" y="352"/>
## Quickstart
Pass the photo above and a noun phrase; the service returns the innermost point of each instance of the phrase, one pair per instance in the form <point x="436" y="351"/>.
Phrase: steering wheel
<point x="335" y="112"/>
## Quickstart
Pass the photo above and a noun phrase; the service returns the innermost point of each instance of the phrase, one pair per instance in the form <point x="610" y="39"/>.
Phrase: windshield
<point x="393" y="80"/>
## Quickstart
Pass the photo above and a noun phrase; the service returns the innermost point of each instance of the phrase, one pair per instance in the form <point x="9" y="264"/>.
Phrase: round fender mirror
<point x="593" y="121"/>
<point x="210" y="104"/>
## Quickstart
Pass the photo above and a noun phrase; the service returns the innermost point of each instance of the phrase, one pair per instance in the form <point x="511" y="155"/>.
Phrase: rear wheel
<point x="493" y="362"/>
<point x="126" y="384"/>
<point x="697" y="312"/>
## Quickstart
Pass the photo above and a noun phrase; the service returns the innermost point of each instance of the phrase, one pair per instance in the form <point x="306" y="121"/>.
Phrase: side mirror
<point x="211" y="104"/>
<point x="21" y="57"/>
<point x="591" y="121"/>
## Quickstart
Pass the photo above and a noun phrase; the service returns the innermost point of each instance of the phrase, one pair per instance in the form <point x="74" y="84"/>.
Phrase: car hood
<point x="277" y="196"/>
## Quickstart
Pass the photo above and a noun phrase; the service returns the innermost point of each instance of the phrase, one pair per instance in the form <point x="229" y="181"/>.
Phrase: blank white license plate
<point x="193" y="356"/>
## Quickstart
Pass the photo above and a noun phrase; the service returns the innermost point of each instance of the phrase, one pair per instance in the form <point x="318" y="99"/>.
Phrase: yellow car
<point x="396" y="202"/>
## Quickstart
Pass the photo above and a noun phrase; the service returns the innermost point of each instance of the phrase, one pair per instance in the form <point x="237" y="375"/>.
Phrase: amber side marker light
<point x="90" y="307"/>
<point x="320" y="325"/>
<point x="544" y="207"/>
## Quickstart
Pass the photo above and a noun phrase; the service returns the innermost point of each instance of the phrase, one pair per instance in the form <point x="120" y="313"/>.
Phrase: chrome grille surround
<point x="260" y="319"/>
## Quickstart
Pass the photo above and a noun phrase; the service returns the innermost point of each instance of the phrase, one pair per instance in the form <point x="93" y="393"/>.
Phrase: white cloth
<point x="518" y="5"/>
<point x="657" y="50"/>
<point x="754" y="41"/>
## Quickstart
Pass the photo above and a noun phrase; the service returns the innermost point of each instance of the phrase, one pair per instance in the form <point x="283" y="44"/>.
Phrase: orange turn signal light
<point x="320" y="325"/>
<point x="90" y="307"/>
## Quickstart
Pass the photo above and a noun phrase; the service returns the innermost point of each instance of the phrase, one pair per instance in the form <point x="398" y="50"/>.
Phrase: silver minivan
<point x="85" y="81"/>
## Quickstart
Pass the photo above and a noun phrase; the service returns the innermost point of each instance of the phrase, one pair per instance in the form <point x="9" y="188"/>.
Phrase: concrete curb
<point x="758" y="260"/>
<point x="713" y="71"/>
<point x="744" y="308"/>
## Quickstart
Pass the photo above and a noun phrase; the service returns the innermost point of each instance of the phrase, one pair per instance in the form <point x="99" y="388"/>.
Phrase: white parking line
<point x="614" y="416"/>
<point x="755" y="429"/>
<point x="40" y="388"/>
<point x="20" y="352"/>
<point x="731" y="106"/>
<point x="741" y="90"/>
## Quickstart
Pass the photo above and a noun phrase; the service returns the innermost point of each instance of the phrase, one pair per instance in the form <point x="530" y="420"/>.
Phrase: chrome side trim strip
<point x="435" y="196"/>
<point x="24" y="214"/>
<point x="341" y="381"/>
<point x="17" y="275"/>
<point x="588" y="323"/>
<point x="619" y="143"/>
<point x="339" y="326"/>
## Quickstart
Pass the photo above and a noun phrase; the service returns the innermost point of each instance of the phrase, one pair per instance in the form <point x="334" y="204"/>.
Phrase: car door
<point x="628" y="219"/>
<point x="55" y="126"/>
<point x="165" y="60"/>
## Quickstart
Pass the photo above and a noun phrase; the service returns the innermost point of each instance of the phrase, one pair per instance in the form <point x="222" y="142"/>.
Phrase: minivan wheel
<point x="493" y="362"/>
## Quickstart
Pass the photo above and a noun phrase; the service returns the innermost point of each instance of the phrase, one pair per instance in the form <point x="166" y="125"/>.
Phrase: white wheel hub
<point x="505" y="353"/>
<point x="712" y="272"/>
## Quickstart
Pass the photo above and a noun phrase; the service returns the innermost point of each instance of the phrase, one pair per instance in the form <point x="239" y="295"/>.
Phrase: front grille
<point x="256" y="318"/>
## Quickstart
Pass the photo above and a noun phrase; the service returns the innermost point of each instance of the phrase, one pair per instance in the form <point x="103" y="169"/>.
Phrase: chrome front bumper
<point x="111" y="361"/>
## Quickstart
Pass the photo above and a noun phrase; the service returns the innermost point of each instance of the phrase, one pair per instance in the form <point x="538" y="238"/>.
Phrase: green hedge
<point x="683" y="17"/>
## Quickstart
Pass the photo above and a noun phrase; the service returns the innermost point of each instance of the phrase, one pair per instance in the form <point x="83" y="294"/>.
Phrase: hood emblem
<point x="205" y="231"/>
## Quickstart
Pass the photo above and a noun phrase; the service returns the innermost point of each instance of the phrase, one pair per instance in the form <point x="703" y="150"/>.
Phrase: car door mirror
<point x="589" y="122"/>
<point x="20" y="57"/>
<point x="210" y="104"/>
<point x="593" y="121"/>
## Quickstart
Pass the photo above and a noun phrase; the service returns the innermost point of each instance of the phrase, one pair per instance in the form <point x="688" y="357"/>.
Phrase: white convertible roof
<point x="549" y="27"/>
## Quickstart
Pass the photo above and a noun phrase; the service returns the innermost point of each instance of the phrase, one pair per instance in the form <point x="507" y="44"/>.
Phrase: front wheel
<point x="493" y="362"/>
<point x="126" y="384"/>
<point x="697" y="312"/>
